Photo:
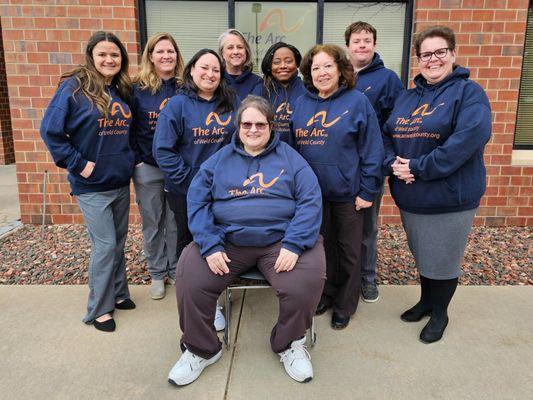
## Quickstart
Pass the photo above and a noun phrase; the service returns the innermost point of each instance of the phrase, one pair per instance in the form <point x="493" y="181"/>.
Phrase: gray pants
<point x="106" y="217"/>
<point x="369" y="250"/>
<point x="158" y="224"/>
<point x="197" y="291"/>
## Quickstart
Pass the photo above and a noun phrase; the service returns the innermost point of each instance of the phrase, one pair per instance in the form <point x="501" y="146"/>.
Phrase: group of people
<point x="283" y="173"/>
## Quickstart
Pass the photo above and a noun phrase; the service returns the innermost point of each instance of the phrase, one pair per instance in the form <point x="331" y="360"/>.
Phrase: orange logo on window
<point x="323" y="117"/>
<point x="284" y="106"/>
<point x="423" y="110"/>
<point x="163" y="103"/>
<point x="214" y="116"/>
<point x="116" y="107"/>
<point x="261" y="181"/>
<point x="279" y="14"/>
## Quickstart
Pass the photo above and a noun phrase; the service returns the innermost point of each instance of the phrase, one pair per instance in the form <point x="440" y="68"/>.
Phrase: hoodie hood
<point x="243" y="84"/>
<point x="339" y="92"/>
<point x="239" y="147"/>
<point x="458" y="73"/>
<point x="375" y="64"/>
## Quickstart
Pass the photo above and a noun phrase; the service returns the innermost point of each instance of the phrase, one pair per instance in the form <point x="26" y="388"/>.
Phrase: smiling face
<point x="206" y="75"/>
<point x="361" y="49"/>
<point x="325" y="74"/>
<point x="283" y="65"/>
<point x="164" y="58"/>
<point x="254" y="131"/>
<point x="234" y="53"/>
<point x="107" y="60"/>
<point x="436" y="69"/>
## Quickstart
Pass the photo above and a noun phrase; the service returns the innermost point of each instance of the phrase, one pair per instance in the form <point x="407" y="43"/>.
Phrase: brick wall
<point x="7" y="151"/>
<point x="42" y="41"/>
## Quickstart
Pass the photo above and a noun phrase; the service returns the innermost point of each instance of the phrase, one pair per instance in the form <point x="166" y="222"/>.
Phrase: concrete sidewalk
<point x="9" y="200"/>
<point x="48" y="353"/>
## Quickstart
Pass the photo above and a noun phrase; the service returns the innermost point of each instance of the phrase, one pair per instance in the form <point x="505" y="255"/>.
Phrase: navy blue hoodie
<point x="382" y="87"/>
<point x="282" y="100"/>
<point x="255" y="201"/>
<point x="188" y="132"/>
<point x="145" y="109"/>
<point x="243" y="84"/>
<point x="442" y="129"/>
<point x="340" y="138"/>
<point x="76" y="132"/>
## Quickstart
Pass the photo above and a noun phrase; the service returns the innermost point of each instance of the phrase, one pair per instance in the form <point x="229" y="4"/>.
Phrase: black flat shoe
<point x="323" y="306"/>
<point x="106" y="326"/>
<point x="415" y="313"/>
<point x="433" y="330"/>
<point x="339" y="321"/>
<point x="127" y="304"/>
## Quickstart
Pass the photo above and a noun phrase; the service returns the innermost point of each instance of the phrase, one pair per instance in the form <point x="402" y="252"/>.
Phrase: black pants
<point x="178" y="204"/>
<point x="342" y="229"/>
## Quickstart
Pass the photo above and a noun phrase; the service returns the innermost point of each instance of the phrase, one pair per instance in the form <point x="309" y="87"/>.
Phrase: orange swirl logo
<point x="214" y="116"/>
<point x="423" y="110"/>
<point x="163" y="103"/>
<point x="321" y="117"/>
<point x="284" y="106"/>
<point x="261" y="181"/>
<point x="277" y="13"/>
<point x="117" y="107"/>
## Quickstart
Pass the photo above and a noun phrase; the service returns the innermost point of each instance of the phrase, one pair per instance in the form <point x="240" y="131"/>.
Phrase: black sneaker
<point x="369" y="292"/>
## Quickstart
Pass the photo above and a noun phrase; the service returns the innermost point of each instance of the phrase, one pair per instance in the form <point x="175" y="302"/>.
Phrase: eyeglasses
<point x="439" y="53"/>
<point x="260" y="126"/>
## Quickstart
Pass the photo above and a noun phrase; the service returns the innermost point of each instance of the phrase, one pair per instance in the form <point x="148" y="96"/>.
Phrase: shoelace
<point x="192" y="359"/>
<point x="296" y="351"/>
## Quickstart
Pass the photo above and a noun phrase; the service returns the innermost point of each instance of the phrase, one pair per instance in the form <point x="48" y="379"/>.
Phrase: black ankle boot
<point x="442" y="292"/>
<point x="433" y="330"/>
<point x="416" y="313"/>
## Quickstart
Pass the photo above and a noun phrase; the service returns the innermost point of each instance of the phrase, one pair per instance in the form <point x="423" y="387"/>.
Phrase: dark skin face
<point x="283" y="65"/>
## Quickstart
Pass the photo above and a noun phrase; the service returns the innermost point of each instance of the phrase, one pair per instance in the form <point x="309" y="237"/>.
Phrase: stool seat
<point x="253" y="274"/>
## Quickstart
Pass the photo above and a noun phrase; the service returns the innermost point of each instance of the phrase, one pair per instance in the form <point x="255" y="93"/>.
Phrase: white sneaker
<point x="220" y="321"/>
<point x="189" y="367"/>
<point x="297" y="361"/>
<point x="157" y="289"/>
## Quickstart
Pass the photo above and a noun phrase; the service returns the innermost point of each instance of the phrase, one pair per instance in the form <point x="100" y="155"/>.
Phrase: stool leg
<point x="227" y="331"/>
<point x="313" y="334"/>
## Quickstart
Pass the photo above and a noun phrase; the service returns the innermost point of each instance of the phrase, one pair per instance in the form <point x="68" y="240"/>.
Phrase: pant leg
<point x="348" y="224"/>
<point x="178" y="204"/>
<point x="197" y="292"/>
<point x="98" y="214"/>
<point x="150" y="197"/>
<point x="121" y="213"/>
<point x="298" y="291"/>
<point x="328" y="233"/>
<point x="370" y="239"/>
<point x="171" y="240"/>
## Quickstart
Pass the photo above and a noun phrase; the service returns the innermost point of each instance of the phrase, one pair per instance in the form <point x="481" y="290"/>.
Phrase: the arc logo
<point x="117" y="107"/>
<point x="284" y="107"/>
<point x="163" y="103"/>
<point x="260" y="180"/>
<point x="213" y="116"/>
<point x="277" y="16"/>
<point x="321" y="117"/>
<point x="423" y="110"/>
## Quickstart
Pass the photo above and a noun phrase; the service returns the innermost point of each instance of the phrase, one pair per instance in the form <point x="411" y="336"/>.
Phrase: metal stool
<point x="252" y="275"/>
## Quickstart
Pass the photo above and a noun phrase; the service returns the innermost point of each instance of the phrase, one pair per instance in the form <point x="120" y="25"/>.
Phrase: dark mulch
<point x="494" y="256"/>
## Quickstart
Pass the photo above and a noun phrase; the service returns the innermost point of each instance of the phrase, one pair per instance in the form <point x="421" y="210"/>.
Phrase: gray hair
<point x="260" y="104"/>
<point x="248" y="65"/>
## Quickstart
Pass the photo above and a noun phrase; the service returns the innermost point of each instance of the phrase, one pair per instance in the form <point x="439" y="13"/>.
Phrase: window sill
<point x="522" y="158"/>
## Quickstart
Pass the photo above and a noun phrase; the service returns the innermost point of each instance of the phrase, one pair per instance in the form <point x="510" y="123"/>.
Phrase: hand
<point x="217" y="262"/>
<point x="361" y="203"/>
<point x="88" y="170"/>
<point x="138" y="165"/>
<point x="286" y="260"/>
<point x="400" y="169"/>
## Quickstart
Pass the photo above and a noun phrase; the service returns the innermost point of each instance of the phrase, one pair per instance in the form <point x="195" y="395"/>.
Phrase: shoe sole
<point x="212" y="360"/>
<point x="369" y="300"/>
<point x="305" y="380"/>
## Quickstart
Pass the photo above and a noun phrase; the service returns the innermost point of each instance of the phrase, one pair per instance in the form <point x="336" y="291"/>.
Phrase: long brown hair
<point x="148" y="78"/>
<point x="92" y="84"/>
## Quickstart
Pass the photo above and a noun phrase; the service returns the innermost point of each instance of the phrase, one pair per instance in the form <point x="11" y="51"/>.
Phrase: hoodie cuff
<point x="213" y="250"/>
<point x="366" y="196"/>
<point x="413" y="166"/>
<point x="292" y="248"/>
<point x="80" y="166"/>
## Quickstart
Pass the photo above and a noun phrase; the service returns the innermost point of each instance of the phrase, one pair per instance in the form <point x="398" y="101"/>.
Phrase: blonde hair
<point x="248" y="64"/>
<point x="147" y="77"/>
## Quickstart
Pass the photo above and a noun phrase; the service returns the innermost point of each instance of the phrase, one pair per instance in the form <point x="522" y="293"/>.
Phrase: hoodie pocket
<point x="113" y="169"/>
<point x="438" y="193"/>
<point x="332" y="182"/>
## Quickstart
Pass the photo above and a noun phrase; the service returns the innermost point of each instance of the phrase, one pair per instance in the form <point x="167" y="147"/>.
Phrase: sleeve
<point x="207" y="235"/>
<point x="371" y="153"/>
<point x="394" y="89"/>
<point x="472" y="130"/>
<point x="390" y="153"/>
<point x="167" y="137"/>
<point x="304" y="227"/>
<point x="53" y="133"/>
<point x="134" y="131"/>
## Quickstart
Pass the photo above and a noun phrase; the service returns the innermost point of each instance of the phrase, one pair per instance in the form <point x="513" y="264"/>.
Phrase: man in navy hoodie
<point x="381" y="86"/>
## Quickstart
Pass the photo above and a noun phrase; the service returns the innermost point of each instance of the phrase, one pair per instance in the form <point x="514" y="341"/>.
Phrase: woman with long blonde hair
<point x="159" y="78"/>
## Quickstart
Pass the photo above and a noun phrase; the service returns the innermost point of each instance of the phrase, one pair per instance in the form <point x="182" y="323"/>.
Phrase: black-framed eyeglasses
<point x="260" y="126"/>
<point x="439" y="53"/>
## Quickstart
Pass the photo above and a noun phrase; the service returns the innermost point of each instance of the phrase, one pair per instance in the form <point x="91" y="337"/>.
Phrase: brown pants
<point x="198" y="288"/>
<point x="342" y="229"/>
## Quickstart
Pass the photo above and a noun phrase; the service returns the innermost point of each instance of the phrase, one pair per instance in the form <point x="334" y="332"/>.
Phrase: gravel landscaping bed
<point x="494" y="256"/>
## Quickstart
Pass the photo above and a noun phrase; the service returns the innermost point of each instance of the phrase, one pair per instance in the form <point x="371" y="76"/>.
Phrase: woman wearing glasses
<point x="434" y="142"/>
<point x="256" y="202"/>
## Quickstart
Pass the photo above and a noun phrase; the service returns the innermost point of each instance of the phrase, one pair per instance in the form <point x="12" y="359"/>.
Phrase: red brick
<point x="506" y="211"/>
<point x="45" y="23"/>
<point x="520" y="180"/>
<point x="516" y="221"/>
<point x="427" y="4"/>
<point x="495" y="221"/>
<point x="517" y="27"/>
<point x="491" y="50"/>
<point x="525" y="211"/>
